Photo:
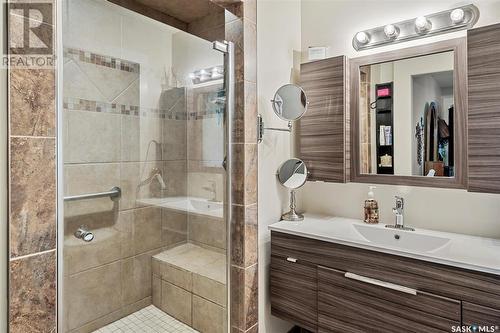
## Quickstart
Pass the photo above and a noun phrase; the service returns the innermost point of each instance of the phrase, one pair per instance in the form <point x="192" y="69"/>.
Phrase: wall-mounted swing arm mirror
<point x="292" y="174"/>
<point x="289" y="104"/>
<point x="408" y="116"/>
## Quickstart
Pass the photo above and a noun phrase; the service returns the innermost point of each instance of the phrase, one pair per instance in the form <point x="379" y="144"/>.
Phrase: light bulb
<point x="391" y="31"/>
<point x="422" y="24"/>
<point x="457" y="15"/>
<point x="362" y="37"/>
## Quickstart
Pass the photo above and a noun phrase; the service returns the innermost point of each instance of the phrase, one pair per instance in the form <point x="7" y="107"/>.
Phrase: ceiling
<point x="183" y="10"/>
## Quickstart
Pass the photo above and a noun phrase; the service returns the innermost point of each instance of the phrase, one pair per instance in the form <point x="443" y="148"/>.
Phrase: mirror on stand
<point x="292" y="174"/>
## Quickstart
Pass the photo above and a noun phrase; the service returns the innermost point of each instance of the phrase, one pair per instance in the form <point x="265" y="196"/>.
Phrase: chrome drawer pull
<point x="290" y="259"/>
<point x="379" y="283"/>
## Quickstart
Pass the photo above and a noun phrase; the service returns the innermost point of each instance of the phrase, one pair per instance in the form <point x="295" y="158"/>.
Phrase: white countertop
<point x="469" y="252"/>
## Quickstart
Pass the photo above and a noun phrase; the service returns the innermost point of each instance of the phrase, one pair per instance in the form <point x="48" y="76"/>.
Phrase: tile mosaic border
<point x="78" y="104"/>
<point x="102" y="60"/>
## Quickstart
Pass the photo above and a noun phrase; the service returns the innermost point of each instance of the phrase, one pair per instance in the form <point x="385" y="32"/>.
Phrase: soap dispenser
<point x="371" y="207"/>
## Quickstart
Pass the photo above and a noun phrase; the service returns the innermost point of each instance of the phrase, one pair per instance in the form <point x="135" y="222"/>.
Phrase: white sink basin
<point x="205" y="205"/>
<point x="187" y="204"/>
<point x="407" y="240"/>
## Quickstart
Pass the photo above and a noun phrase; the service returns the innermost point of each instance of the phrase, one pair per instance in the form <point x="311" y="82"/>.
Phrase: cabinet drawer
<point x="293" y="289"/>
<point x="352" y="303"/>
<point x="473" y="314"/>
<point x="455" y="283"/>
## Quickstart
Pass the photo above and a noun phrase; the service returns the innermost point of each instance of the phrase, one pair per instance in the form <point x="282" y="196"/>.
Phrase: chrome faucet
<point x="212" y="188"/>
<point x="399" y="211"/>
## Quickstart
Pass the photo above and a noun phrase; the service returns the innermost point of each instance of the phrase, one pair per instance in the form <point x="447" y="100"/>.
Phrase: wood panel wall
<point x="484" y="109"/>
<point x="323" y="143"/>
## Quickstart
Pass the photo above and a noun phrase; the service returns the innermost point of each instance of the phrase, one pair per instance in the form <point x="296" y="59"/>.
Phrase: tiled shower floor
<point x="147" y="320"/>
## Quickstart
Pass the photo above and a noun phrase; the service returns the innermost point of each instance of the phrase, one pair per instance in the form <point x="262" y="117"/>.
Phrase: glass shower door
<point x="144" y="243"/>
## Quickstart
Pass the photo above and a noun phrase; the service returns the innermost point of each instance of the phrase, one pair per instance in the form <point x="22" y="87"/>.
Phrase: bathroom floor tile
<point x="150" y="320"/>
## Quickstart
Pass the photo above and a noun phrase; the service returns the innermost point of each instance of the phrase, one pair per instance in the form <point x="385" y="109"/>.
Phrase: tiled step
<point x="189" y="283"/>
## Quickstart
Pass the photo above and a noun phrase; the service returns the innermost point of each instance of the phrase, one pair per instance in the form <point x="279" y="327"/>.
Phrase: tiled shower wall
<point x="110" y="140"/>
<point x="33" y="183"/>
<point x="32" y="189"/>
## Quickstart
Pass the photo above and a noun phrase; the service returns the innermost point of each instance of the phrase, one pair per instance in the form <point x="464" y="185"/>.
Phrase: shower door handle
<point x="224" y="163"/>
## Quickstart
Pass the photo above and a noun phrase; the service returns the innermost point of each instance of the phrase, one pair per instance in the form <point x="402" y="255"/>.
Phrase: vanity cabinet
<point x="472" y="314"/>
<point x="359" y="290"/>
<point x="345" y="303"/>
<point x="293" y="292"/>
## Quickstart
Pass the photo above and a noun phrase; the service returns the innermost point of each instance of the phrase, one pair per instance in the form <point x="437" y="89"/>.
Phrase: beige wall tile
<point x="136" y="278"/>
<point x="92" y="137"/>
<point x="80" y="256"/>
<point x="102" y="290"/>
<point x="156" y="291"/>
<point x="32" y="102"/>
<point x="177" y="276"/>
<point x="208" y="317"/>
<point x="207" y="230"/>
<point x="32" y="195"/>
<point x="175" y="177"/>
<point x="130" y="139"/>
<point x="90" y="178"/>
<point x="109" y="81"/>
<point x="131" y="176"/>
<point x="174" y="139"/>
<point x="209" y="289"/>
<point x="174" y="227"/>
<point x="147" y="229"/>
<point x="176" y="302"/>
<point x="77" y="85"/>
<point x="33" y="294"/>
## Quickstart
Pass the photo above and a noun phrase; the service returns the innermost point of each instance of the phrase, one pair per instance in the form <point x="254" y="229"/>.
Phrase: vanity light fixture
<point x="457" y="15"/>
<point x="362" y="37"/>
<point x="422" y="24"/>
<point x="207" y="75"/>
<point x="455" y="19"/>
<point x="391" y="31"/>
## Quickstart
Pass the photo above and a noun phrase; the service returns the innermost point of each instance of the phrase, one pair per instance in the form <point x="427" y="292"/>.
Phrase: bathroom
<point x="140" y="195"/>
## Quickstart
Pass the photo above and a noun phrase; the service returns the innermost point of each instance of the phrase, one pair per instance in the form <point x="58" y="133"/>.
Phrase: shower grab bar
<point x="114" y="194"/>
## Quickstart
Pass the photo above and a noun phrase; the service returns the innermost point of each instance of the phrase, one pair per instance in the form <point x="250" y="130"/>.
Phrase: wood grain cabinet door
<point x="484" y="109"/>
<point x="348" y="304"/>
<point x="293" y="292"/>
<point x="323" y="130"/>
<point x="473" y="314"/>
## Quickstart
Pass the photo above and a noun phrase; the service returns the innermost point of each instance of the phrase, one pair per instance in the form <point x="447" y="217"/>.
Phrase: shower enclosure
<point x="144" y="129"/>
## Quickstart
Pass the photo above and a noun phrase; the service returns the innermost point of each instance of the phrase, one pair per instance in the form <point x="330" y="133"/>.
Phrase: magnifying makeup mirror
<point x="292" y="174"/>
<point x="289" y="104"/>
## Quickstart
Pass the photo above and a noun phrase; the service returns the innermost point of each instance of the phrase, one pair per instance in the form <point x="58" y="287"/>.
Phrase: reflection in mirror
<point x="292" y="174"/>
<point x="290" y="102"/>
<point x="406" y="110"/>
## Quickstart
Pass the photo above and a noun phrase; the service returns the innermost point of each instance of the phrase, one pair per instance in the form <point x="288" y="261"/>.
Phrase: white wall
<point x="278" y="36"/>
<point x="333" y="24"/>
